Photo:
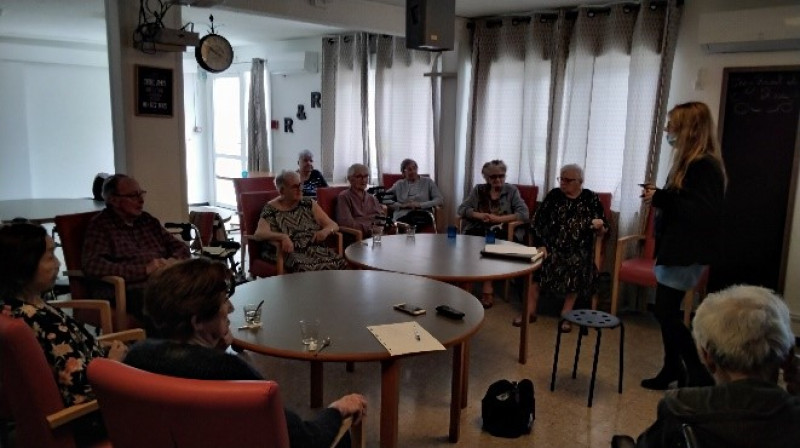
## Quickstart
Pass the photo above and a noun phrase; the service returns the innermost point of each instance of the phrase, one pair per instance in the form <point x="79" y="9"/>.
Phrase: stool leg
<point x="621" y="353"/>
<point x="594" y="366"/>
<point x="555" y="356"/>
<point x="577" y="354"/>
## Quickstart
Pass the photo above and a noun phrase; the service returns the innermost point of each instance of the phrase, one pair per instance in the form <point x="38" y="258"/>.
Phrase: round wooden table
<point x="346" y="302"/>
<point x="454" y="260"/>
<point x="41" y="210"/>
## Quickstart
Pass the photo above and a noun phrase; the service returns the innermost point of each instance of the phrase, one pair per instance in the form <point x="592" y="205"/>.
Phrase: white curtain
<point x="257" y="150"/>
<point x="585" y="87"/>
<point x="403" y="107"/>
<point x="376" y="105"/>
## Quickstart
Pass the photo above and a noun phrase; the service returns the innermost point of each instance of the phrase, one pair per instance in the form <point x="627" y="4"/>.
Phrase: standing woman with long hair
<point x="689" y="213"/>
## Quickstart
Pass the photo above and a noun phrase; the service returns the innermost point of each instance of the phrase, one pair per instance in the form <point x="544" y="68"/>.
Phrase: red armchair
<point x="146" y="409"/>
<point x="639" y="270"/>
<point x="252" y="205"/>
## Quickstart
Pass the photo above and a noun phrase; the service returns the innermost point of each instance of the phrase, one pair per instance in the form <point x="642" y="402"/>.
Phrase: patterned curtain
<point x="257" y="148"/>
<point x="585" y="87"/>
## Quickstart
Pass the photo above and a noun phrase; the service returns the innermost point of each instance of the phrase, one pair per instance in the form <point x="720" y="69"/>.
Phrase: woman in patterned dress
<point x="565" y="226"/>
<point x="300" y="226"/>
<point x="28" y="268"/>
<point x="489" y="208"/>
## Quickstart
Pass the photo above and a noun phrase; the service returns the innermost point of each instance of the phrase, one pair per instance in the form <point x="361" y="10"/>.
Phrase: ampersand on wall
<point x="316" y="100"/>
<point x="301" y="112"/>
<point x="287" y="125"/>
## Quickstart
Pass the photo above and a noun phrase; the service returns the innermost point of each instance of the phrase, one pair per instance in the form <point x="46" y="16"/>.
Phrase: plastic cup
<point x="377" y="233"/>
<point x="252" y="314"/>
<point x="411" y="231"/>
<point x="451" y="231"/>
<point x="490" y="236"/>
<point x="309" y="330"/>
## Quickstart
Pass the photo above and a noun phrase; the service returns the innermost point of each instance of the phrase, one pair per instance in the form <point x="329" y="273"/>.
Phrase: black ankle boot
<point x="662" y="380"/>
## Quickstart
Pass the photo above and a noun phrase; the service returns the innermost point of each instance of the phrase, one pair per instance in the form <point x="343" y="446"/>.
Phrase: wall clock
<point x="214" y="53"/>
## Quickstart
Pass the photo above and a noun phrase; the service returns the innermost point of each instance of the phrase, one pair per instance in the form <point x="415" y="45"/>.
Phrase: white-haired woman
<point x="311" y="178"/>
<point x="744" y="338"/>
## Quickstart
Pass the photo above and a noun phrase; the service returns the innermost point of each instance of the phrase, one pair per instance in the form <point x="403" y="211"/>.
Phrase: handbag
<point x="509" y="408"/>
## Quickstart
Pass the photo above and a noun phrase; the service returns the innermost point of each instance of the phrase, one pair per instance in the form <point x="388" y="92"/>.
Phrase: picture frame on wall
<point x="154" y="88"/>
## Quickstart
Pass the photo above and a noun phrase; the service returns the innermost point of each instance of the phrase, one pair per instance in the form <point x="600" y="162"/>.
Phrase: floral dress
<point x="67" y="345"/>
<point x="563" y="226"/>
<point x="300" y="225"/>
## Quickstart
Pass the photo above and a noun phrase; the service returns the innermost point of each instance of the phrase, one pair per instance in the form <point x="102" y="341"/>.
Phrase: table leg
<point x="316" y="384"/>
<point x="390" y="402"/>
<point x="465" y="374"/>
<point x="523" y="329"/>
<point x="457" y="392"/>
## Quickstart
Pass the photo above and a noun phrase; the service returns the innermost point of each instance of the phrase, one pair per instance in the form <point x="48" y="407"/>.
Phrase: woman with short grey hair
<point x="744" y="338"/>
<point x="311" y="178"/>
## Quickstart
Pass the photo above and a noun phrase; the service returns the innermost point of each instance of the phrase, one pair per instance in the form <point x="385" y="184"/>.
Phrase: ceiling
<point x="83" y="21"/>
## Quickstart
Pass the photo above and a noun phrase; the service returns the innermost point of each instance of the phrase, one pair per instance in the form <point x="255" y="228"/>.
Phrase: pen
<point x="416" y="334"/>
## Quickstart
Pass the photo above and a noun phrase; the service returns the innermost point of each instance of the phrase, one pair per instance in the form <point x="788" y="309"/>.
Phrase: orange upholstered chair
<point x="249" y="185"/>
<point x="71" y="230"/>
<point x="639" y="270"/>
<point x="252" y="205"/>
<point x="29" y="389"/>
<point x="143" y="409"/>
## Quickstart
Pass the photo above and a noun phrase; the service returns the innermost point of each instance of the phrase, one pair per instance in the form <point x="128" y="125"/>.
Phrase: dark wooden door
<point x="759" y="115"/>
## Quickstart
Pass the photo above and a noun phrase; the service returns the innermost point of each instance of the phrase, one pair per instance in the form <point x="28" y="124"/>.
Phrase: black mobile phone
<point x="409" y="309"/>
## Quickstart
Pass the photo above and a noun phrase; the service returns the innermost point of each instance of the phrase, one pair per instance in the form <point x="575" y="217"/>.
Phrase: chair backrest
<point x="389" y="179"/>
<point x="29" y="388"/>
<point x="71" y="230"/>
<point x="143" y="409"/>
<point x="649" y="248"/>
<point x="600" y="249"/>
<point x="250" y="184"/>
<point x="529" y="194"/>
<point x="326" y="198"/>
<point x="252" y="205"/>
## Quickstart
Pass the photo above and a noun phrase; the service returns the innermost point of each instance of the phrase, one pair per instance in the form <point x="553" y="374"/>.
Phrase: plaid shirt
<point x="112" y="247"/>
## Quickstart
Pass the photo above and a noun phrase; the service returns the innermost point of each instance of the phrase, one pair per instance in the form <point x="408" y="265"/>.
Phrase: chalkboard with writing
<point x="759" y="117"/>
<point x="153" y="91"/>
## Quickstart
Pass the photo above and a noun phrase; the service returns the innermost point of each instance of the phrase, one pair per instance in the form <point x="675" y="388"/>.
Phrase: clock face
<point x="214" y="53"/>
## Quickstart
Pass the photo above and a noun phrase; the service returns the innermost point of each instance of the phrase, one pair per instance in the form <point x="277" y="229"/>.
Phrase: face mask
<point x="671" y="139"/>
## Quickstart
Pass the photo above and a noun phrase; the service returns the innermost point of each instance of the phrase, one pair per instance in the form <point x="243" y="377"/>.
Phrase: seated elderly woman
<point x="311" y="178"/>
<point x="489" y="208"/>
<point x="565" y="226"/>
<point x="355" y="208"/>
<point x="415" y="196"/>
<point x="300" y="226"/>
<point x="744" y="338"/>
<point x="28" y="269"/>
<point x="188" y="304"/>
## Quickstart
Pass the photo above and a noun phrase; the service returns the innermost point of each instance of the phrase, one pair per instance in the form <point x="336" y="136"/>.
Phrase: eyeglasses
<point x="360" y="176"/>
<point x="293" y="186"/>
<point x="135" y="195"/>
<point x="566" y="180"/>
<point x="496" y="176"/>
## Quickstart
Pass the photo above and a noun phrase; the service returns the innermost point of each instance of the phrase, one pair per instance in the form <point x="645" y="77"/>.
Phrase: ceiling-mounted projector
<point x="198" y="3"/>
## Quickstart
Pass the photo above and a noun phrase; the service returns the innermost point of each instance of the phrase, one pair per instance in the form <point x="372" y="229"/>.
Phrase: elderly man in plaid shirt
<point x="126" y="241"/>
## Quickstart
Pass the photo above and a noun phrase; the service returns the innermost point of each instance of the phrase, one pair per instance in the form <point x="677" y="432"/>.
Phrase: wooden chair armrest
<point x="279" y="254"/>
<point x="357" y="234"/>
<point x="356" y="433"/>
<point x="335" y="239"/>
<point x="134" y="334"/>
<point x="512" y="227"/>
<point x="102" y="307"/>
<point x="622" y="243"/>
<point x="71" y="413"/>
<point x="121" y="301"/>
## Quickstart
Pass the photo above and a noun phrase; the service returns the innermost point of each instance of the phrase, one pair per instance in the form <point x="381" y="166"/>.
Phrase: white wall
<point x="693" y="64"/>
<point x="287" y="92"/>
<point x="56" y="125"/>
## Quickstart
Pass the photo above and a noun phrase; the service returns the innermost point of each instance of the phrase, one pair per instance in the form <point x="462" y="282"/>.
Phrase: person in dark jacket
<point x="688" y="230"/>
<point x="188" y="304"/>
<point x="744" y="337"/>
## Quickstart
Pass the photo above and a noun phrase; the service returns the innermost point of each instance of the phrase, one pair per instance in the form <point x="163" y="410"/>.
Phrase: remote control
<point x="448" y="311"/>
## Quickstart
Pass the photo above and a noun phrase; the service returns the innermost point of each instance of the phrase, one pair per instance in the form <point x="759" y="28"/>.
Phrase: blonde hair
<point x="696" y="138"/>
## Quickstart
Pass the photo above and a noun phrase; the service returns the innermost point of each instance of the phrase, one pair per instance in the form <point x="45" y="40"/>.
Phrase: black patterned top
<point x="314" y="181"/>
<point x="67" y="345"/>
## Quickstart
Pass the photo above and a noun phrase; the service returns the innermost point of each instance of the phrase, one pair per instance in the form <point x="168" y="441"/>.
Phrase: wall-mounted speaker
<point x="430" y="24"/>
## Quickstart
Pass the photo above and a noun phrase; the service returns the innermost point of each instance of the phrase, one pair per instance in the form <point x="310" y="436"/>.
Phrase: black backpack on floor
<point x="509" y="408"/>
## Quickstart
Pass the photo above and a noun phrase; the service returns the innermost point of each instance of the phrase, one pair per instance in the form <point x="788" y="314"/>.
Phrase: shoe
<point x="566" y="327"/>
<point x="517" y="322"/>
<point x="487" y="300"/>
<point x="662" y="380"/>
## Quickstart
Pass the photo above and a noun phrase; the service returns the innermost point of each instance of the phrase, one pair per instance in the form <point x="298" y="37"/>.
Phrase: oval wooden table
<point x="346" y="302"/>
<point x="41" y="210"/>
<point x="454" y="260"/>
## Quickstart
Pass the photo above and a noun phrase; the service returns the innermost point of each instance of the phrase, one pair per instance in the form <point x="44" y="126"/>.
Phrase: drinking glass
<point x="252" y="314"/>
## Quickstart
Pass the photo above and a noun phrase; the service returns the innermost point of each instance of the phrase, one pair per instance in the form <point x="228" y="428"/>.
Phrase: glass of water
<point x="377" y="233"/>
<point x="252" y="314"/>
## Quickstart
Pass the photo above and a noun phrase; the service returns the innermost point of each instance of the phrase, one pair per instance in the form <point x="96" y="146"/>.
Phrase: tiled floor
<point x="562" y="417"/>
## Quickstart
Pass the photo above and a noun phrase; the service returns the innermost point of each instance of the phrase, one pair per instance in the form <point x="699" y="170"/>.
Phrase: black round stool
<point x="589" y="319"/>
